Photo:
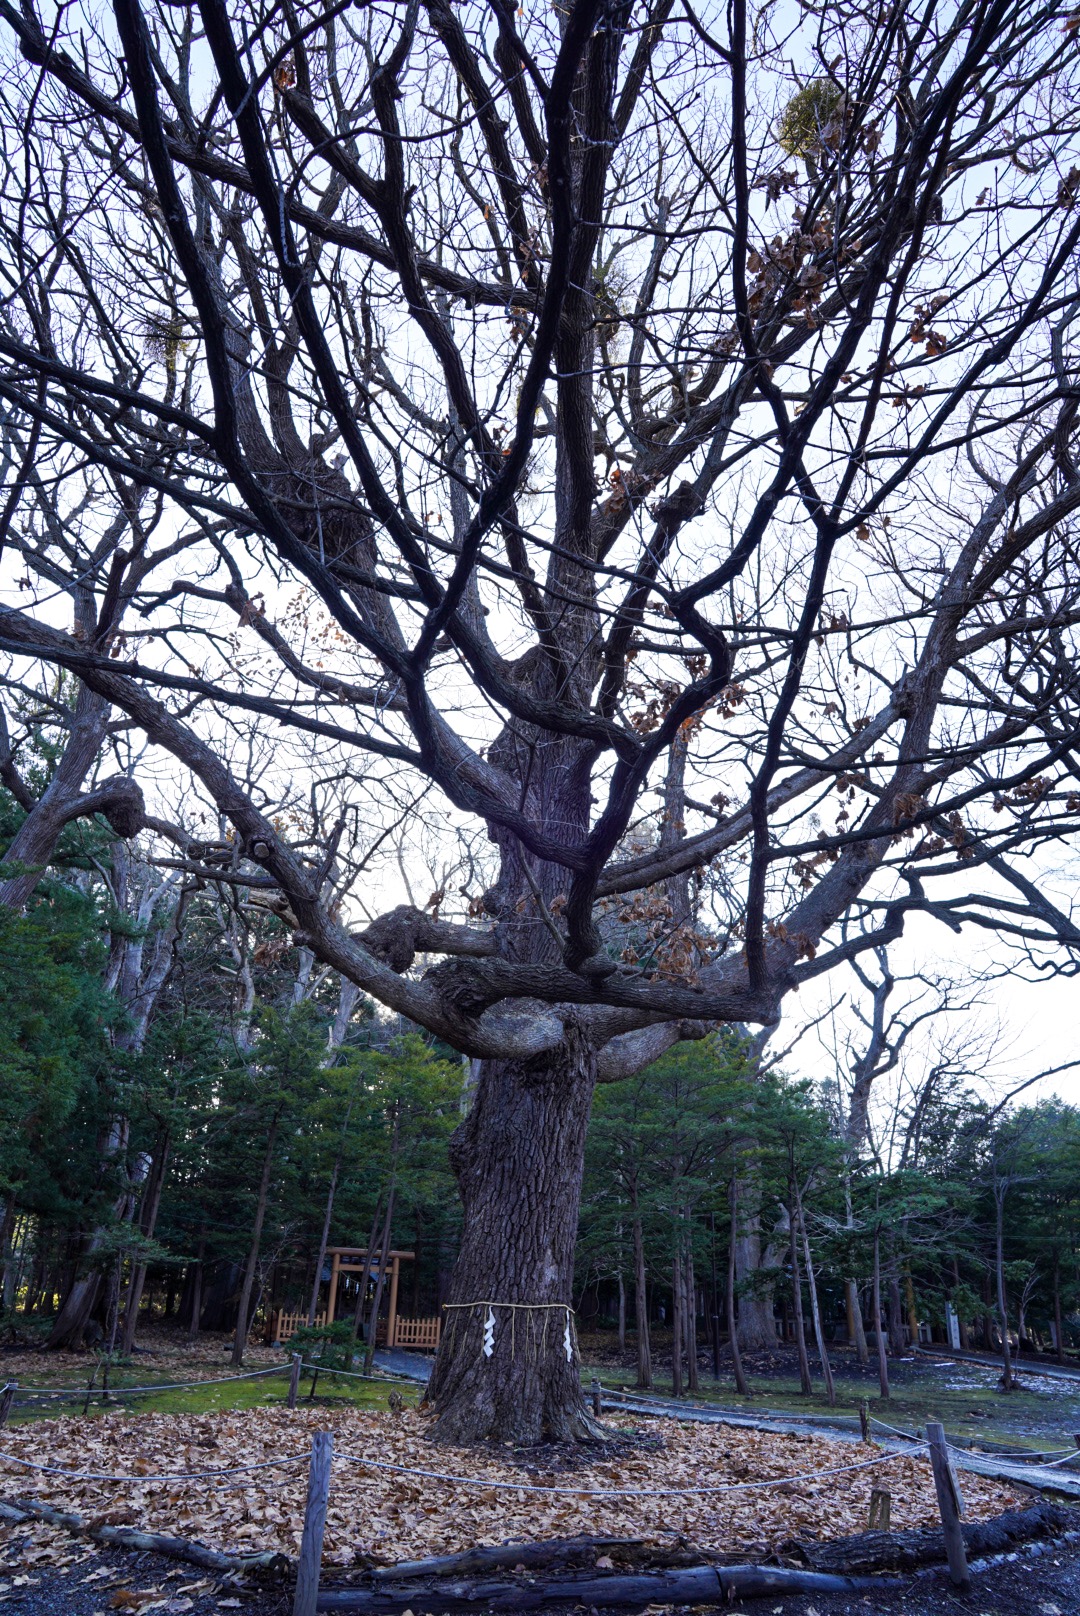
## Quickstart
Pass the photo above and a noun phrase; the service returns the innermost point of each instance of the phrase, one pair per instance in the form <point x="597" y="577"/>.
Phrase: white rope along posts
<point x="617" y="1492"/>
<point x="173" y="1475"/>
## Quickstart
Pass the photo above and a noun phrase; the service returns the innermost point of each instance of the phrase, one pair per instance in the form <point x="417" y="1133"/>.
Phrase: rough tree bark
<point x="518" y="1158"/>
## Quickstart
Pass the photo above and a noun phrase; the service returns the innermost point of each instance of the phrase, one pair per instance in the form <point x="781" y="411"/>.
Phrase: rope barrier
<point x="524" y="1307"/>
<point x="616" y="1492"/>
<point x="721" y="1412"/>
<point x="908" y="1436"/>
<point x="356" y="1374"/>
<point x="1018" y="1459"/>
<point x="165" y="1386"/>
<point x="175" y="1475"/>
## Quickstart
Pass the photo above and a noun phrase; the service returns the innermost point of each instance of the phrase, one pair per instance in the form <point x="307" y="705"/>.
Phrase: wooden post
<point x="89" y="1389"/>
<point x="949" y="1503"/>
<point x="335" y="1269"/>
<point x="391" y="1323"/>
<point x="318" y="1497"/>
<point x="294" y="1380"/>
<point x="597" y="1405"/>
<point x="6" y="1397"/>
<point x="880" y="1510"/>
<point x="864" y="1419"/>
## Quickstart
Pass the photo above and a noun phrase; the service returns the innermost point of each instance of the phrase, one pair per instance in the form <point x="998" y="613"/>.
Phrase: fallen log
<point x="268" y="1564"/>
<point x="490" y="1557"/>
<point x="869" y="1552"/>
<point x="696" y="1585"/>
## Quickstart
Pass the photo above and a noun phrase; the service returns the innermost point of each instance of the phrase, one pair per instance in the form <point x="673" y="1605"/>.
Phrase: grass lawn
<point x="172" y="1358"/>
<point x="1044" y="1412"/>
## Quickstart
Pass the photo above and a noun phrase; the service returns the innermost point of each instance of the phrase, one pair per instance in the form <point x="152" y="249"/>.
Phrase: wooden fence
<point x="422" y="1335"/>
<point x="284" y="1325"/>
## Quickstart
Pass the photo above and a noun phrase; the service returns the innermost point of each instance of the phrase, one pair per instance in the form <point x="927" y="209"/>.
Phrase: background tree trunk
<point x="733" y="1333"/>
<point x="677" y="1315"/>
<point x="806" y="1385"/>
<point x="1008" y="1379"/>
<point x="151" y="1206"/>
<point x="242" y="1319"/>
<point x="879" y="1331"/>
<point x="815" y="1310"/>
<point x="641" y="1310"/>
<point x="690" y="1322"/>
<point x="856" y="1331"/>
<point x="757" y="1320"/>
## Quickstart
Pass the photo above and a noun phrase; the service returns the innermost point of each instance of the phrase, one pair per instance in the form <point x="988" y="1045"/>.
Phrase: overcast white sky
<point x="1032" y="1025"/>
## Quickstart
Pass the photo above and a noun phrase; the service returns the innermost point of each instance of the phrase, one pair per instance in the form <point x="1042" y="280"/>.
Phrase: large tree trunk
<point x="511" y="1372"/>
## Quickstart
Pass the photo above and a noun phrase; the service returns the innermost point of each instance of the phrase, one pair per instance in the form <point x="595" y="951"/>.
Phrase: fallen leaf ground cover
<point x="380" y="1516"/>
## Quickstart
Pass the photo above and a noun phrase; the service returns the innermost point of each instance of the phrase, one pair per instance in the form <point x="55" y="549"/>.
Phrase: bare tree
<point x="551" y="410"/>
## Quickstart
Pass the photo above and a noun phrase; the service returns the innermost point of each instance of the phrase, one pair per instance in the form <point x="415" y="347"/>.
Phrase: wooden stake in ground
<point x="880" y="1510"/>
<point x="6" y="1397"/>
<point x="294" y="1380"/>
<point x="597" y="1405"/>
<point x="318" y="1497"/>
<point x="950" y="1505"/>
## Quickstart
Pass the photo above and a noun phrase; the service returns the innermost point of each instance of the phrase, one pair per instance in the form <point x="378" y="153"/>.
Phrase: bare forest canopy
<point x="623" y="452"/>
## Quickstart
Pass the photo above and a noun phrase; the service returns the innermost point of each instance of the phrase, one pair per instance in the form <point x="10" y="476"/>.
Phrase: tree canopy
<point x="620" y="456"/>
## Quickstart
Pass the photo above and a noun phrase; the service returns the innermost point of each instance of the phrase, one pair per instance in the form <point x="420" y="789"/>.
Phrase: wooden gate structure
<point x="420" y="1334"/>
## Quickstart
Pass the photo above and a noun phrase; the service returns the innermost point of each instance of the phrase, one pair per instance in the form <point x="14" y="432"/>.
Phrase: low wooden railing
<point x="422" y="1334"/>
<point x="284" y="1325"/>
